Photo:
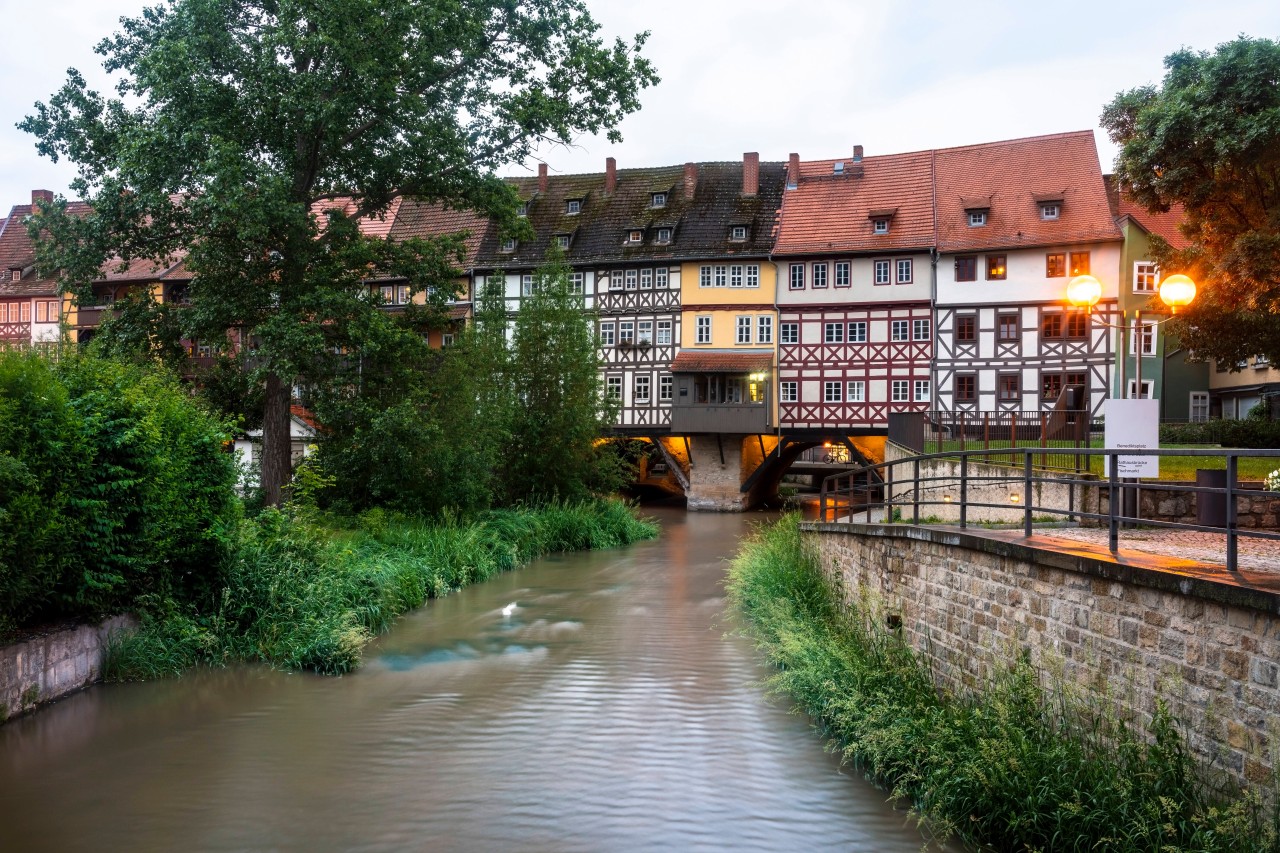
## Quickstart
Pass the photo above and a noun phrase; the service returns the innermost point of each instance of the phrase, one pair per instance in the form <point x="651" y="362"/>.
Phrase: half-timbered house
<point x="855" y="323"/>
<point x="31" y="308"/>
<point x="1016" y="220"/>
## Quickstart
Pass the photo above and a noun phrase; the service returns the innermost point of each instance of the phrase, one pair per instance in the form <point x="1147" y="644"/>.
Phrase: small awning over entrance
<point x="722" y="362"/>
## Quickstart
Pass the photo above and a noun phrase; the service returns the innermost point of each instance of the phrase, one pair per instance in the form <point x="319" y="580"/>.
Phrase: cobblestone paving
<point x="1260" y="555"/>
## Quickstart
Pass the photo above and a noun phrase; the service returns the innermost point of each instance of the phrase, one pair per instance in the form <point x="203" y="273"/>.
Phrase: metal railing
<point x="962" y="473"/>
<point x="1048" y="430"/>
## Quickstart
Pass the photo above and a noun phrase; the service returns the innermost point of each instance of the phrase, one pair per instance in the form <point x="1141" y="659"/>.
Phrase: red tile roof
<point x="370" y="226"/>
<point x="304" y="414"/>
<point x="721" y="362"/>
<point x="1164" y="224"/>
<point x="424" y="219"/>
<point x="827" y="212"/>
<point x="1012" y="175"/>
<point x="18" y="251"/>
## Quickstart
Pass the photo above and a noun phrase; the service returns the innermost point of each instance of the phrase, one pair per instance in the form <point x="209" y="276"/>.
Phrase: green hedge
<point x="1248" y="433"/>
<point x="116" y="491"/>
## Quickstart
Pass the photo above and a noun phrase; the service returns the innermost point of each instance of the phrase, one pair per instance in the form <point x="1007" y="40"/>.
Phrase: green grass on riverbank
<point x="1013" y="768"/>
<point x="1174" y="469"/>
<point x="310" y="595"/>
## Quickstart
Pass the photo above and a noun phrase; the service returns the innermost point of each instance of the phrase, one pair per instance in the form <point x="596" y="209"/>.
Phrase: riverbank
<point x="1011" y="766"/>
<point x="304" y="593"/>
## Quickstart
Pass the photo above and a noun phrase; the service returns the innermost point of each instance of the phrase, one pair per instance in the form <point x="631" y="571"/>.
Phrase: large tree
<point x="239" y="123"/>
<point x="1208" y="138"/>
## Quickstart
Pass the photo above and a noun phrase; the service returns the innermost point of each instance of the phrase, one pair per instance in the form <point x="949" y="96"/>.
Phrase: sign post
<point x="1132" y="425"/>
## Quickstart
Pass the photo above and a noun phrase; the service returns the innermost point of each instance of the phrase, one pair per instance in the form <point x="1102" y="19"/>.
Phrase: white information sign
<point x="1132" y="425"/>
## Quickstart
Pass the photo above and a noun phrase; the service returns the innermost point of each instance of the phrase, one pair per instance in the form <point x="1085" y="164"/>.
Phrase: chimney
<point x="45" y="196"/>
<point x="793" y="172"/>
<point x="690" y="179"/>
<point x="542" y="177"/>
<point x="857" y="153"/>
<point x="610" y="175"/>
<point x="750" y="173"/>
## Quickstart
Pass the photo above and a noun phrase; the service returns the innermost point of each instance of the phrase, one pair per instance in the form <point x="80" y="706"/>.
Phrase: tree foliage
<point x="241" y="125"/>
<point x="1208" y="138"/>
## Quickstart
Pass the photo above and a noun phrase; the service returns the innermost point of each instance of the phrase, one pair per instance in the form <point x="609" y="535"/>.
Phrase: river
<point x="608" y="710"/>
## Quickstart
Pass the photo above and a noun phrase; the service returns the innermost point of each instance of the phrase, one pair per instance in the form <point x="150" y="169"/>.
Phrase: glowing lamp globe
<point x="1084" y="291"/>
<point x="1177" y="291"/>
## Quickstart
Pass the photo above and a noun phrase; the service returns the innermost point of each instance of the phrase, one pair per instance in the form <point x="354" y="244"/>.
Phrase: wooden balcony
<point x="743" y="418"/>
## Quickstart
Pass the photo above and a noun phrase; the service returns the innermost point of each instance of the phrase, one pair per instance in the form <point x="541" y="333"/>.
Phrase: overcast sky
<point x="812" y="76"/>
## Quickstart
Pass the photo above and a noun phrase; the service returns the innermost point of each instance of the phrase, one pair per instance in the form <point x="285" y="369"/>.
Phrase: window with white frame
<point x="899" y="389"/>
<point x="880" y="226"/>
<point x="904" y="271"/>
<point x="832" y="392"/>
<point x="977" y="218"/>
<point x="526" y="285"/>
<point x="744" y="330"/>
<point x="789" y="391"/>
<point x="1148" y="337"/>
<point x="664" y="388"/>
<point x="703" y="327"/>
<point x="738" y="232"/>
<point x="1148" y="387"/>
<point x="644" y="332"/>
<point x="523" y="209"/>
<point x="898" y="330"/>
<point x="833" y="333"/>
<point x="573" y="206"/>
<point x="635" y="236"/>
<point x="857" y="391"/>
<point x="920" y="330"/>
<point x="446" y="340"/>
<point x="577" y="283"/>
<point x="1199" y="410"/>
<point x="664" y="236"/>
<point x="562" y="241"/>
<point x="1145" y="277"/>
<point x="657" y="199"/>
<point x="660" y="277"/>
<point x="615" y="280"/>
<point x="788" y="333"/>
<point x="842" y="274"/>
<point x="819" y="275"/>
<point x="640" y="388"/>
<point x="704" y="276"/>
<point x="509" y="245"/>
<point x="858" y="332"/>
<point x="797" y="276"/>
<point x="922" y="390"/>
<point x="388" y="294"/>
<point x="646" y="279"/>
<point x="664" y="332"/>
<point x="1050" y="210"/>
<point x="753" y="275"/>
<point x="632" y="279"/>
<point x="764" y="329"/>
<point x="613" y="387"/>
<point x="735" y="275"/>
<point x="722" y="275"/>
<point x="626" y="332"/>
<point x="882" y="272"/>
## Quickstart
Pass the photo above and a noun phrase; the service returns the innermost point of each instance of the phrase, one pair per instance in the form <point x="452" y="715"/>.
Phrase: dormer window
<point x="523" y="209"/>
<point x="880" y="226"/>
<point x="562" y="241"/>
<point x="573" y="206"/>
<point x="509" y="244"/>
<point x="738" y="232"/>
<point x="977" y="218"/>
<point x="15" y="274"/>
<point x="657" y="199"/>
<point x="635" y="236"/>
<point x="1050" y="210"/>
<point x="664" y="235"/>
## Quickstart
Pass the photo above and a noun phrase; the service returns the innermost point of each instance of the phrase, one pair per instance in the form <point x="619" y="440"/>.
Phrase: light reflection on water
<point x="607" y="710"/>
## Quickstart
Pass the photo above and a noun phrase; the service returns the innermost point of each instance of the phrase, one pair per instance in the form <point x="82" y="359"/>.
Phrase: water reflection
<point x="606" y="711"/>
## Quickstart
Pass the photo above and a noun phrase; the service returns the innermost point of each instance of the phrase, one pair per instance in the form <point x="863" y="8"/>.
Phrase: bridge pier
<point x="719" y="464"/>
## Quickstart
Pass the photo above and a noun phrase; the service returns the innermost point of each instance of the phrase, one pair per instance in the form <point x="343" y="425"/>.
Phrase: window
<point x="509" y="245"/>
<point x="921" y="390"/>
<point x="402" y="294"/>
<point x="1052" y="326"/>
<point x="1144" y="277"/>
<point x="904" y="271"/>
<point x="1051" y="384"/>
<point x="919" y="330"/>
<point x="646" y="279"/>
<point x="1199" y="406"/>
<point x="635" y="235"/>
<point x="797" y="276"/>
<point x="880" y="226"/>
<point x="626" y="332"/>
<point x="562" y="241"/>
<point x="898" y="330"/>
<point x="966" y="388"/>
<point x="753" y="275"/>
<point x="819" y="275"/>
<point x="788" y="333"/>
<point x="1055" y="265"/>
<point x="898" y="391"/>
<point x="657" y="199"/>
<point x="615" y="280"/>
<point x="881" y="272"/>
<point x="704" y="277"/>
<point x="703" y="330"/>
<point x="857" y="391"/>
<point x="640" y="388"/>
<point x="573" y="206"/>
<point x="842" y="274"/>
<point x="966" y="328"/>
<point x="1009" y="389"/>
<point x="996" y="270"/>
<point x="613" y="387"/>
<point x="46" y="312"/>
<point x="1079" y="263"/>
<point x="1050" y="211"/>
<point x="858" y="332"/>
<point x="967" y="268"/>
<point x="833" y="333"/>
<point x="1260" y="361"/>
<point x="1148" y="335"/>
<point x="631" y="279"/>
<point x="1148" y="388"/>
<point x="789" y="391"/>
<point x="446" y="340"/>
<point x="577" y="283"/>
<point x="664" y="235"/>
<point x="644" y="332"/>
<point x="523" y="209"/>
<point x="1077" y="325"/>
<point x="664" y="332"/>
<point x="977" y="218"/>
<point x="738" y="232"/>
<point x="744" y="330"/>
<point x="735" y="275"/>
<point x="764" y="329"/>
<point x="1007" y="327"/>
<point x="526" y="285"/>
<point x="832" y="392"/>
<point x="664" y="388"/>
<point x="389" y="294"/>
<point x="660" y="277"/>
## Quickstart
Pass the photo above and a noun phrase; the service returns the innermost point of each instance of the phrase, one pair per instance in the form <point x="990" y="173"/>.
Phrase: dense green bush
<point x="115" y="490"/>
<point x="1255" y="431"/>
<point x="1013" y="767"/>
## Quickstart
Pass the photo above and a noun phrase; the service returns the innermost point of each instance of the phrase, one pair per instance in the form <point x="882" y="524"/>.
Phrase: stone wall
<point x="47" y="668"/>
<point x="1126" y="635"/>
<point x="1177" y="502"/>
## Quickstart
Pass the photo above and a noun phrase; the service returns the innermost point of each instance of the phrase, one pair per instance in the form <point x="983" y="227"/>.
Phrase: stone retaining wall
<point x="47" y="668"/>
<point x="1127" y="635"/>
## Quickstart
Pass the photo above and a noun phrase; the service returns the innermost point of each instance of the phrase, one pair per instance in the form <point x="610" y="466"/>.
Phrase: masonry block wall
<point x="40" y="670"/>
<point x="1127" y="636"/>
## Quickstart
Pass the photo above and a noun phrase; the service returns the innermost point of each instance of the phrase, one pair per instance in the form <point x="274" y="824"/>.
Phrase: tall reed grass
<point x="1011" y="767"/>
<point x="309" y="594"/>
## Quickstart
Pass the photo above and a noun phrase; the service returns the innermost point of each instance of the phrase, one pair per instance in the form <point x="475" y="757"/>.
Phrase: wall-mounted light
<point x="1014" y="498"/>
<point x="946" y="499"/>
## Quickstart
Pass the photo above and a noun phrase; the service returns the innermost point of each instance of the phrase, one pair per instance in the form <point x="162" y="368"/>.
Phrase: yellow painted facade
<point x="725" y="301"/>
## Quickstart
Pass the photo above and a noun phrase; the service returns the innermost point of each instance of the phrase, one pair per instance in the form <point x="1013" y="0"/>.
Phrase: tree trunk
<point x="276" y="442"/>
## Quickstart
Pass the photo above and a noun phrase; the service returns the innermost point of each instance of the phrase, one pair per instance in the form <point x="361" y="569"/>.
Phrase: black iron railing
<point x="1049" y="431"/>
<point x="963" y="480"/>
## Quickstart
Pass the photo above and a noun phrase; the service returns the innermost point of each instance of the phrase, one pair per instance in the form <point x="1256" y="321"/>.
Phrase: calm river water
<point x="608" y="711"/>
